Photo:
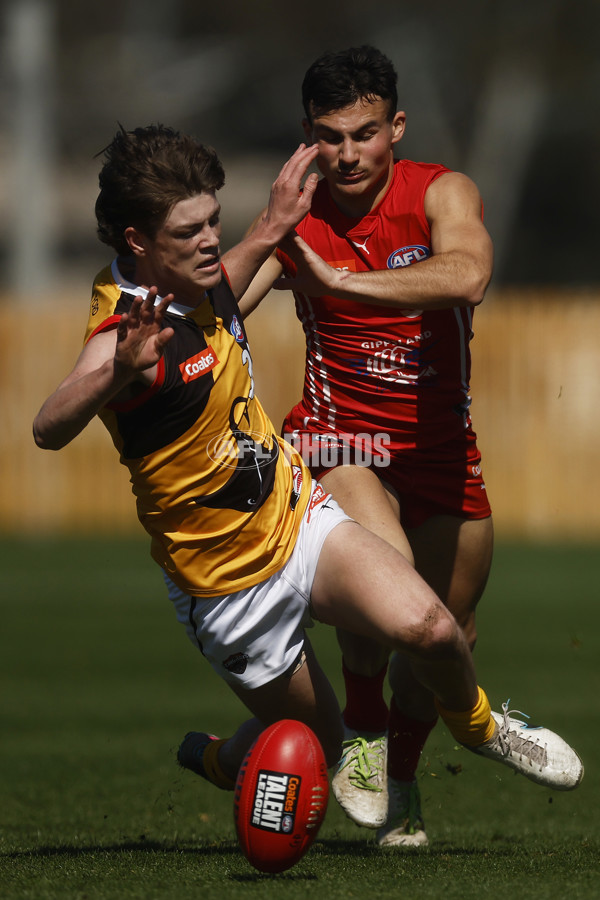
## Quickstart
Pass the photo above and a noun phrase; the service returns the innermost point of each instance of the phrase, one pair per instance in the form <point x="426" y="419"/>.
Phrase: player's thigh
<point x="305" y="695"/>
<point x="454" y="557"/>
<point x="365" y="586"/>
<point x="364" y="497"/>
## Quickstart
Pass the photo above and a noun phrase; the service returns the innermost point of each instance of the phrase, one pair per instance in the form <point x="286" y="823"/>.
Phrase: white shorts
<point x="254" y="635"/>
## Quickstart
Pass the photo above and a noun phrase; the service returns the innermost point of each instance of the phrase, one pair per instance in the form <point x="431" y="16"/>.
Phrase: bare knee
<point x="437" y="636"/>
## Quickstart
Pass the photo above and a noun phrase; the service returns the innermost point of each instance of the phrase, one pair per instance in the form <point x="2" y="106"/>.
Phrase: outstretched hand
<point x="289" y="202"/>
<point x="140" y="337"/>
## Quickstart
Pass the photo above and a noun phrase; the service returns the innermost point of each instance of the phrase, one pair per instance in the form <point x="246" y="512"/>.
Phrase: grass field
<point x="99" y="684"/>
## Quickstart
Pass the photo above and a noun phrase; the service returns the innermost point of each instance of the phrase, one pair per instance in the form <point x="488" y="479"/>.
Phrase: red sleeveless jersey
<point x="374" y="369"/>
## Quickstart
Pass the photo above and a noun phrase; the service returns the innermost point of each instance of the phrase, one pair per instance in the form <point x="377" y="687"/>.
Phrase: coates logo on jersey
<point x="198" y="365"/>
<point x="406" y="256"/>
<point x="236" y="330"/>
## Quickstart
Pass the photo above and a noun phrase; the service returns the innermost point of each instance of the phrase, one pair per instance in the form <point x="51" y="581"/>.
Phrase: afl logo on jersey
<point x="406" y="256"/>
<point x="236" y="330"/>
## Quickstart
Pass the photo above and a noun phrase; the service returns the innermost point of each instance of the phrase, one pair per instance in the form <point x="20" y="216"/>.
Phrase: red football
<point x="281" y="796"/>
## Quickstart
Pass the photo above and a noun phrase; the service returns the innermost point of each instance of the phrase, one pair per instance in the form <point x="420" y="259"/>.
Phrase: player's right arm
<point x="289" y="202"/>
<point x="108" y="364"/>
<point x="260" y="285"/>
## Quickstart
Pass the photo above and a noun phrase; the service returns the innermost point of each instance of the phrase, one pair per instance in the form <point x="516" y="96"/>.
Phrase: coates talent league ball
<point x="281" y="796"/>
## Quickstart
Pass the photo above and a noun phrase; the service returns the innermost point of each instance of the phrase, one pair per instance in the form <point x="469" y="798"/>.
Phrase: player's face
<point x="356" y="152"/>
<point x="184" y="258"/>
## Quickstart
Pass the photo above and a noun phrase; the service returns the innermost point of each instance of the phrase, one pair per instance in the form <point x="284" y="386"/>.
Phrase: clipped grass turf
<point x="99" y="684"/>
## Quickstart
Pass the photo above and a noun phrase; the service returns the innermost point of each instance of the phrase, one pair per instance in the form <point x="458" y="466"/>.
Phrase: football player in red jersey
<point x="386" y="270"/>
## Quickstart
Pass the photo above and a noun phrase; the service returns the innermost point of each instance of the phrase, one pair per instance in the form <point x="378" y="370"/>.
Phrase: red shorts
<point x="441" y="480"/>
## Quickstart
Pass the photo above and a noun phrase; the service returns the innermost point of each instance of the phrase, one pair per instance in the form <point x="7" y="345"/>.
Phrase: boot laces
<point x="509" y="739"/>
<point x="366" y="756"/>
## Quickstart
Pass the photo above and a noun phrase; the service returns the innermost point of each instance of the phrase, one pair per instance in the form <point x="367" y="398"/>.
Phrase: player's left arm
<point x="461" y="246"/>
<point x="456" y="274"/>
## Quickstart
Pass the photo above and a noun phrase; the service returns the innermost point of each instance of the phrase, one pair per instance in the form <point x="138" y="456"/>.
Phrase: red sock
<point x="406" y="739"/>
<point x="366" y="710"/>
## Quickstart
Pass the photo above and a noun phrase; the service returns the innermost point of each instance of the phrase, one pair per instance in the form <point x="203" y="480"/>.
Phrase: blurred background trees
<point x="506" y="92"/>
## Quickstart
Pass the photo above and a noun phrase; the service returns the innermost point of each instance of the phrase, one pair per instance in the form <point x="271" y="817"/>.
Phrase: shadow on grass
<point x="142" y="845"/>
<point x="330" y="847"/>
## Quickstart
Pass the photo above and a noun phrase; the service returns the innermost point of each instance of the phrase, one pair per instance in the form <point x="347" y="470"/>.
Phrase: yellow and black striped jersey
<point x="221" y="495"/>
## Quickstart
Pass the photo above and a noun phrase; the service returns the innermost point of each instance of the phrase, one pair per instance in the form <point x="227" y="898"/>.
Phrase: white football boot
<point x="536" y="752"/>
<point x="404" y="827"/>
<point x="360" y="783"/>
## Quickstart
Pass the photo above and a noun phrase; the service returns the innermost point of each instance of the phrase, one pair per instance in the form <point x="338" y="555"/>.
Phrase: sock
<point x="472" y="726"/>
<point x="406" y="739"/>
<point x="366" y="710"/>
<point x="213" y="768"/>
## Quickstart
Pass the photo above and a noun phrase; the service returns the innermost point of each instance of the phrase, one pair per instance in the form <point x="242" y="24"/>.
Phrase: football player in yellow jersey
<point x="251" y="548"/>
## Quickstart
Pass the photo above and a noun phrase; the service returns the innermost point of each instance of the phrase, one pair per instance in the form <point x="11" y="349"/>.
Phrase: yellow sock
<point x="213" y="768"/>
<point x="472" y="726"/>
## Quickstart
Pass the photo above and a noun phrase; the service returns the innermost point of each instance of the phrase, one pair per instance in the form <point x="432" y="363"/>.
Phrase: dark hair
<point x="338" y="80"/>
<point x="145" y="172"/>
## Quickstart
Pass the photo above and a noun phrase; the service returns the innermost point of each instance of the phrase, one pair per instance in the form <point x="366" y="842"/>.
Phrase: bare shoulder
<point x="451" y="194"/>
<point x="454" y="210"/>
